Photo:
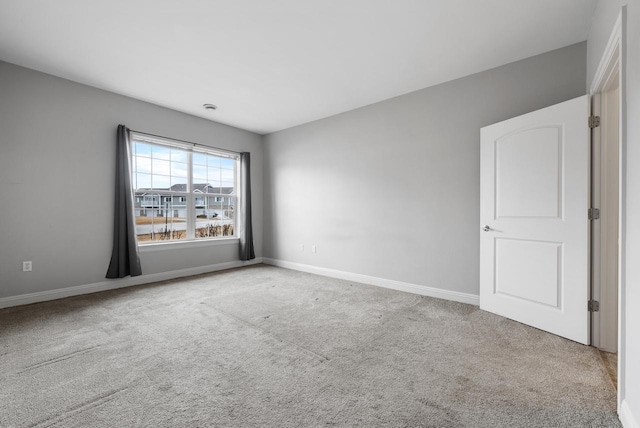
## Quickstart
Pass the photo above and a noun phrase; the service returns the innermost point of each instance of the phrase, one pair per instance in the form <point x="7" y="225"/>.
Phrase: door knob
<point x="486" y="228"/>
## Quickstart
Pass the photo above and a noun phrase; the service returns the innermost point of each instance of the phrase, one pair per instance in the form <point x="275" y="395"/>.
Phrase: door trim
<point x="604" y="262"/>
<point x="615" y="52"/>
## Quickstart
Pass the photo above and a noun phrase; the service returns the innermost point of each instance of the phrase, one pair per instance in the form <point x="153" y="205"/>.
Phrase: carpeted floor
<point x="610" y="361"/>
<point x="264" y="346"/>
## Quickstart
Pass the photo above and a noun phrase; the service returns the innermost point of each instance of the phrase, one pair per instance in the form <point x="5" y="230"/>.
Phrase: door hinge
<point x="594" y="214"/>
<point x="593" y="306"/>
<point x="594" y="121"/>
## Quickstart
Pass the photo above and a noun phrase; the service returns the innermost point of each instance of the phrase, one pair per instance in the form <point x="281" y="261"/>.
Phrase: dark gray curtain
<point x="246" y="231"/>
<point x="124" y="257"/>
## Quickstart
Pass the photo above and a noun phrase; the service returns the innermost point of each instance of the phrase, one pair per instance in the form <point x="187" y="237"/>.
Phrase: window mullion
<point x="236" y="199"/>
<point x="191" y="206"/>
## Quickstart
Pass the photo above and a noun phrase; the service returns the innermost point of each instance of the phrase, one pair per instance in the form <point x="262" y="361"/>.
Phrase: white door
<point x="534" y="238"/>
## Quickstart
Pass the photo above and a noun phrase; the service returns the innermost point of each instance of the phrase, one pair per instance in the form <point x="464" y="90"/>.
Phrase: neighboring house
<point x="210" y="202"/>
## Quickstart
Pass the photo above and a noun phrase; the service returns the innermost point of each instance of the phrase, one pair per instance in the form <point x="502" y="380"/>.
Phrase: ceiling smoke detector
<point x="209" y="107"/>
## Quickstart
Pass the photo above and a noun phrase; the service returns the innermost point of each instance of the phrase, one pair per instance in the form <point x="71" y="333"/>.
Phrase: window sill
<point x="177" y="245"/>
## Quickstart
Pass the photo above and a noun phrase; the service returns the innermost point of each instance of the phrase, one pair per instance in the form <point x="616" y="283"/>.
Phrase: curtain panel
<point x="125" y="259"/>
<point x="246" y="232"/>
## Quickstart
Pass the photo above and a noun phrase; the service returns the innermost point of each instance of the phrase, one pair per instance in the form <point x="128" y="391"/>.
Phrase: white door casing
<point x="534" y="187"/>
<point x="604" y="233"/>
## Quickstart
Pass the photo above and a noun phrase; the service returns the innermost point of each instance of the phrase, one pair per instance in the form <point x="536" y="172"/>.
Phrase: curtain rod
<point x="184" y="141"/>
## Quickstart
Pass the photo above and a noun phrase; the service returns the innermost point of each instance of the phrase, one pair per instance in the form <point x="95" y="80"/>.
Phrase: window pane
<point x="161" y="152"/>
<point x="199" y="158"/>
<point x="213" y="161"/>
<point x="228" y="163"/>
<point x="199" y="174"/>
<point x="179" y="184"/>
<point x="226" y="188"/>
<point x="161" y="182"/>
<point x="214" y="218"/>
<point x="142" y="164"/>
<point x="178" y="155"/>
<point x="159" y="217"/>
<point x="213" y="174"/>
<point x="227" y="175"/>
<point x="142" y="149"/>
<point x="178" y="169"/>
<point x="143" y="181"/>
<point x="162" y="167"/>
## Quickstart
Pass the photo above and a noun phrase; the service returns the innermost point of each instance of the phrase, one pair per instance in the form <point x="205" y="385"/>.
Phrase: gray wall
<point x="57" y="166"/>
<point x="604" y="19"/>
<point x="391" y="190"/>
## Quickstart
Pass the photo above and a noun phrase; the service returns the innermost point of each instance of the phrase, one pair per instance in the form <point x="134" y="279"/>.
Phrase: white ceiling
<point x="273" y="64"/>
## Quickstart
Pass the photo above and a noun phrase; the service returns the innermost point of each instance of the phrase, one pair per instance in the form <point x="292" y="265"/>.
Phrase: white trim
<point x="190" y="243"/>
<point x="616" y="46"/>
<point x="43" y="296"/>
<point x="614" y="41"/>
<point x="626" y="417"/>
<point x="604" y="257"/>
<point x="174" y="142"/>
<point x="423" y="290"/>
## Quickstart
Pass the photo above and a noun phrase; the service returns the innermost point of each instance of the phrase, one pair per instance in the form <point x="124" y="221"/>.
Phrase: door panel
<point x="534" y="259"/>
<point x="529" y="162"/>
<point x="513" y="258"/>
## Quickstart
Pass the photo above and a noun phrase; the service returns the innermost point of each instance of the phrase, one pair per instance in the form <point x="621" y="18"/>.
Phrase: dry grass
<point x="158" y="220"/>
<point x="158" y="237"/>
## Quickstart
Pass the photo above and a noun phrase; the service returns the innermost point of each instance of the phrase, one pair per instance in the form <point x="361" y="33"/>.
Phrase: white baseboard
<point x="112" y="284"/>
<point x="26" y="299"/>
<point x="423" y="290"/>
<point x="626" y="416"/>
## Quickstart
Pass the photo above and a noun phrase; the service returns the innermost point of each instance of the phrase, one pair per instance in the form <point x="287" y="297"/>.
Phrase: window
<point x="182" y="191"/>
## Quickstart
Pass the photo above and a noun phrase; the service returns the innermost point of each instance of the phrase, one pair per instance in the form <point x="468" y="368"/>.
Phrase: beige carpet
<point x="263" y="346"/>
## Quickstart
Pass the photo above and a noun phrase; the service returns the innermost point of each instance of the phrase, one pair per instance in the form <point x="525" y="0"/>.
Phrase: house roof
<point x="197" y="188"/>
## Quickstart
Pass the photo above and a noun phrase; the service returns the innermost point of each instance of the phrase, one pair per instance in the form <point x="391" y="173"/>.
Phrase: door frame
<point x="612" y="65"/>
<point x="604" y="244"/>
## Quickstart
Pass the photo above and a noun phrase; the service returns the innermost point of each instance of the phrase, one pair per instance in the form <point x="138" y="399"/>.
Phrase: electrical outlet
<point x="301" y="247"/>
<point x="27" y="266"/>
<point x="313" y="248"/>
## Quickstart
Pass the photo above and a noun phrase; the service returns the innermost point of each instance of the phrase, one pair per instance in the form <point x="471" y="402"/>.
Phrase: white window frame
<point x="190" y="195"/>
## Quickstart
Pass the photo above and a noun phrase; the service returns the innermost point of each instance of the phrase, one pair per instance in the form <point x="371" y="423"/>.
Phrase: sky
<point x="160" y="167"/>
